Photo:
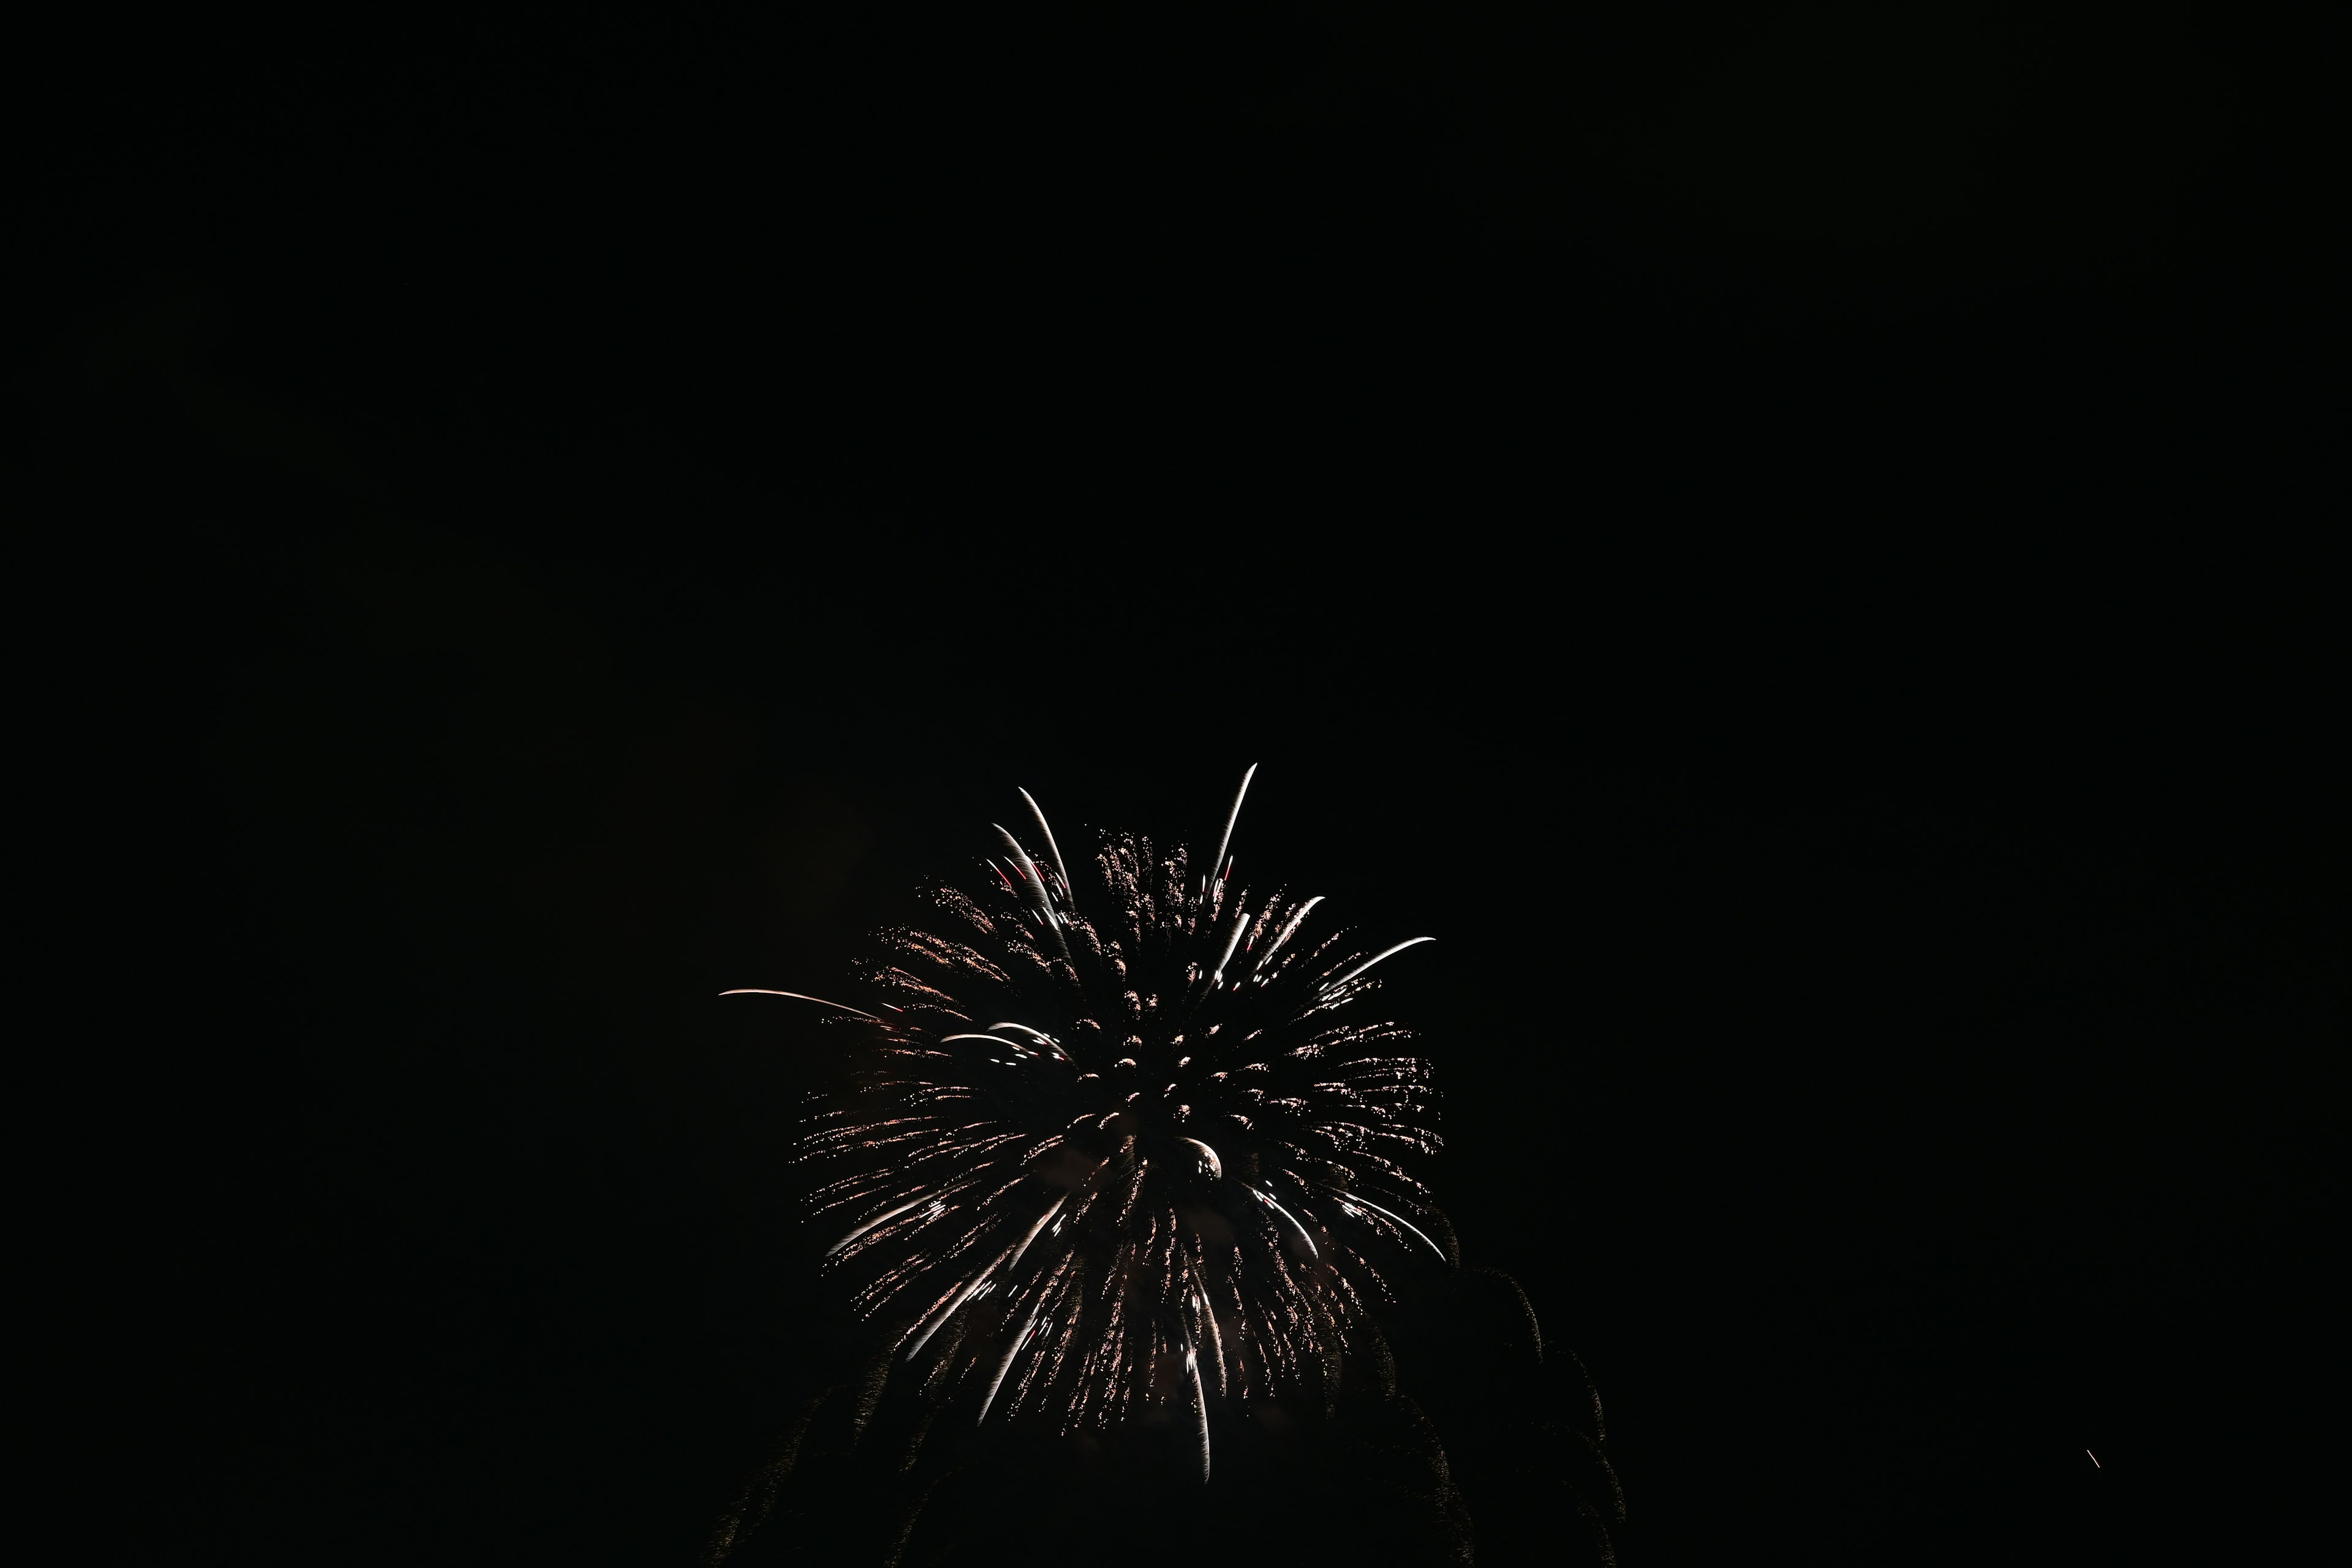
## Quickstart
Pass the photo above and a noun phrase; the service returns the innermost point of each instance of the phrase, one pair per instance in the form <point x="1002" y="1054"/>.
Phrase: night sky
<point x="1803" y="544"/>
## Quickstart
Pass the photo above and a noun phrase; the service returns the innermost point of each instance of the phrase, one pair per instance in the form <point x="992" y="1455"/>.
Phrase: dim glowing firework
<point x="1123" y="1144"/>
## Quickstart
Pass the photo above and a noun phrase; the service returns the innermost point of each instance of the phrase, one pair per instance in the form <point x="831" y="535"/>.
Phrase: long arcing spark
<point x="956" y="1301"/>
<point x="1241" y="924"/>
<point x="1331" y="986"/>
<point x="1289" y="929"/>
<point x="1062" y="871"/>
<point x="1036" y="880"/>
<point x="1225" y="840"/>
<point x="1216" y="1341"/>
<point x="1032" y="878"/>
<point x="1009" y="1352"/>
<point x="1200" y="1400"/>
<point x="1008" y="1045"/>
<point x="883" y="1218"/>
<point x="1050" y="1042"/>
<point x="1033" y="1229"/>
<point x="1361" y="1202"/>
<point x="971" y="1285"/>
<point x="798" y="996"/>
<point x="1312" y="1251"/>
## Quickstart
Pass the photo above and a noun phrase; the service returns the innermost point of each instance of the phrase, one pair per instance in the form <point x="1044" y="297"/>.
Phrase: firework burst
<point x="1124" y="1142"/>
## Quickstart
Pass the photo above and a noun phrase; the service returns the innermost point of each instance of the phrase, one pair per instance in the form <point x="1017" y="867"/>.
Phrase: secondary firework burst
<point x="1125" y="1142"/>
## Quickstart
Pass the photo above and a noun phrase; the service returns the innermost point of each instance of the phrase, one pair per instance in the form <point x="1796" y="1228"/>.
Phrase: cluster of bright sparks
<point x="1123" y="1150"/>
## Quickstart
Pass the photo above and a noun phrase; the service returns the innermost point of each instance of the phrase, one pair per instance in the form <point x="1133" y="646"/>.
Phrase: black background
<point x="1801" y="542"/>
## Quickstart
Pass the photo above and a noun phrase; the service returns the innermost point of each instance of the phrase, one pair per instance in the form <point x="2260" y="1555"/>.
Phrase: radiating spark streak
<point x="1311" y="1250"/>
<point x="1032" y="880"/>
<point x="1216" y="1341"/>
<point x="2095" y="1461"/>
<point x="1241" y="923"/>
<point x="1034" y="884"/>
<point x="1363" y="1202"/>
<point x="1033" y="1229"/>
<point x="1050" y="1042"/>
<point x="1200" y="1401"/>
<point x="1068" y="891"/>
<point x="1289" y="928"/>
<point x="797" y="996"/>
<point x="1330" y="986"/>
<point x="914" y="1202"/>
<point x="1225" y="840"/>
<point x="1010" y="1350"/>
<point x="961" y="1297"/>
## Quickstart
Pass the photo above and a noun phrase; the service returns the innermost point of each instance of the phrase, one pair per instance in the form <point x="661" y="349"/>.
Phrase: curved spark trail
<point x="1169" y="1175"/>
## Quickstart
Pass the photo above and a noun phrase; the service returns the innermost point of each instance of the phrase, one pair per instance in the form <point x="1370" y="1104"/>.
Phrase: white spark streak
<point x="1216" y="1341"/>
<point x="1033" y="880"/>
<point x="1009" y="1352"/>
<point x="1268" y="1197"/>
<point x="798" y="996"/>
<point x="1241" y="924"/>
<point x="1200" y="1401"/>
<point x="1331" y="986"/>
<point x="1051" y="1043"/>
<point x="1033" y="1229"/>
<point x="1289" y="927"/>
<point x="1225" y="841"/>
<point x="971" y="1286"/>
<point x="1008" y="1045"/>
<point x="1357" y="1198"/>
<point x="1068" y="891"/>
<point x="878" y="1219"/>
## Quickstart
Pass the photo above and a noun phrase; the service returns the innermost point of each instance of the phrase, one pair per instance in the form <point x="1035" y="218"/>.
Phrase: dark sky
<point x="1802" y="543"/>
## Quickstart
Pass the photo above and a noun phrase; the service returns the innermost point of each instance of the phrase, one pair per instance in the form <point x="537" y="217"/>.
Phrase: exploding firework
<point x="1123" y="1142"/>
